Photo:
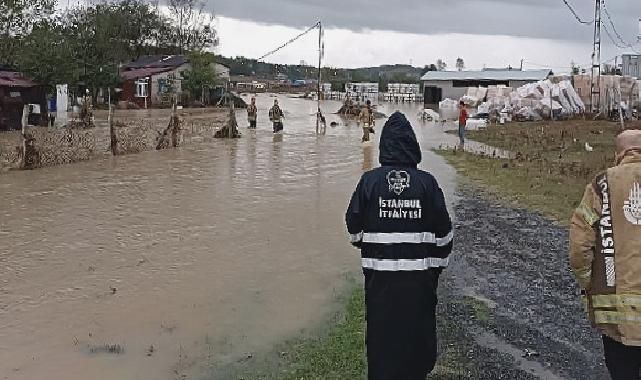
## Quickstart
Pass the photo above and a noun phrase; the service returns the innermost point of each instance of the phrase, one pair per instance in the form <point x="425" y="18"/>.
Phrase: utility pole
<point x="595" y="82"/>
<point x="320" y="59"/>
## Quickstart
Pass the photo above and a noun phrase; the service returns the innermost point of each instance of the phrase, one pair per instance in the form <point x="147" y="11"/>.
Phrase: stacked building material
<point x="623" y="88"/>
<point x="534" y="101"/>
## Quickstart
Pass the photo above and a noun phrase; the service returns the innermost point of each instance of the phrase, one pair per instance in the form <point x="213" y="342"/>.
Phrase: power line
<point x="576" y="16"/>
<point x="616" y="43"/>
<point x="290" y="41"/>
<point x="546" y="66"/>
<point x="616" y="32"/>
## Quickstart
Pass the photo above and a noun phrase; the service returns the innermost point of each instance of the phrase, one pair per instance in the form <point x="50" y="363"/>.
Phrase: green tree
<point x="193" y="27"/>
<point x="106" y="35"/>
<point x="47" y="56"/>
<point x="17" y="19"/>
<point x="460" y="64"/>
<point x="430" y="67"/>
<point x="202" y="76"/>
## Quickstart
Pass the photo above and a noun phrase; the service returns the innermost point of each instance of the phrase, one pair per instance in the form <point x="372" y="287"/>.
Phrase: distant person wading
<point x="252" y="114"/>
<point x="398" y="218"/>
<point x="276" y="116"/>
<point x="366" y="117"/>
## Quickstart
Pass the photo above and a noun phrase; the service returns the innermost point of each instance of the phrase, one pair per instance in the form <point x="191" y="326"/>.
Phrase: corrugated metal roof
<point x="495" y="75"/>
<point x="15" y="79"/>
<point x="145" y="72"/>
<point x="157" y="61"/>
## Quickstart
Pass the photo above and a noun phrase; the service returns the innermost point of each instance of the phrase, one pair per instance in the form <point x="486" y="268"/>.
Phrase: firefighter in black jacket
<point x="398" y="218"/>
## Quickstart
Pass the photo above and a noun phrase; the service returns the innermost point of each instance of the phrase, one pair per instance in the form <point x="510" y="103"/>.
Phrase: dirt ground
<point x="510" y="298"/>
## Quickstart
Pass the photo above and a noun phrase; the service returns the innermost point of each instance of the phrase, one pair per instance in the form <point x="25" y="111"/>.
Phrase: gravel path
<point x="508" y="301"/>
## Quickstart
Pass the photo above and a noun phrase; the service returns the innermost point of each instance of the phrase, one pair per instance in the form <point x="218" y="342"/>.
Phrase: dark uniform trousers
<point x="624" y="362"/>
<point x="401" y="323"/>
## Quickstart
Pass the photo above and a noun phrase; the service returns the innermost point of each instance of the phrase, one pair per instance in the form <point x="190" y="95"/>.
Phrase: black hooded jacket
<point x="397" y="215"/>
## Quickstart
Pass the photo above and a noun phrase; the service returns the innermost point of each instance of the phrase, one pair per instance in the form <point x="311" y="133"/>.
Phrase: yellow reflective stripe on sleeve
<point x="616" y="318"/>
<point x="583" y="275"/>
<point x="616" y="301"/>
<point x="588" y="214"/>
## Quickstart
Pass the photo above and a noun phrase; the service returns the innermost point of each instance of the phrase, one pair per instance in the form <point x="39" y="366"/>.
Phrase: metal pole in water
<point x="318" y="87"/>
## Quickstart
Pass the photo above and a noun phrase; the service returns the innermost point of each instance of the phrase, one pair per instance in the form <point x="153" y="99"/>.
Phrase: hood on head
<point x="398" y="145"/>
<point x="628" y="141"/>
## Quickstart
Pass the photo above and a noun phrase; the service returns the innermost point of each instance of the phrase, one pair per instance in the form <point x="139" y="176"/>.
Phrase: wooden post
<point x="25" y="121"/>
<point x="620" y="111"/>
<point x="174" y="123"/>
<point x="112" y="131"/>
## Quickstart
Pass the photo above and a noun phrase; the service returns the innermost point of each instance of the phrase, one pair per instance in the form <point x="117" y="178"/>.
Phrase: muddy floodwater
<point x="161" y="264"/>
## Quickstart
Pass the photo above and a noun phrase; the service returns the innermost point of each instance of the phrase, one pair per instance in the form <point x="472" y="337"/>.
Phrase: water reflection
<point x="368" y="157"/>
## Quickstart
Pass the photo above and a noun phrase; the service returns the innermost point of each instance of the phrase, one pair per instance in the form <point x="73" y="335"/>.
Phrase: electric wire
<point x="614" y="29"/>
<point x="576" y="16"/>
<point x="616" y="43"/>
<point x="290" y="41"/>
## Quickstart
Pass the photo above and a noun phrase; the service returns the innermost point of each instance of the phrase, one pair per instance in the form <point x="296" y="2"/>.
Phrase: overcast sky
<point x="373" y="32"/>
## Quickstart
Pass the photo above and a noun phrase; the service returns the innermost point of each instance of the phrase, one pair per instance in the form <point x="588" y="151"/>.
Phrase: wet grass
<point x="339" y="353"/>
<point x="551" y="165"/>
<point x="511" y="181"/>
<point x="478" y="308"/>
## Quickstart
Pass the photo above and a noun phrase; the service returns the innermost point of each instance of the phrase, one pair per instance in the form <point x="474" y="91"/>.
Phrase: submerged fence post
<point x="174" y="124"/>
<point x="24" y="122"/>
<point x="112" y="131"/>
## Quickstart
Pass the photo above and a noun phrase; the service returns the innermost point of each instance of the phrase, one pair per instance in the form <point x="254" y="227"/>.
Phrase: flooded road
<point x="158" y="265"/>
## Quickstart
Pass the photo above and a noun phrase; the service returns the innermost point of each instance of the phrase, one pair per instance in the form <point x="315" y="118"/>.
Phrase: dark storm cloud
<point x="523" y="18"/>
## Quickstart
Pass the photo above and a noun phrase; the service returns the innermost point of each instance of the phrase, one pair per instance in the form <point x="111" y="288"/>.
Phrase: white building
<point x="404" y="88"/>
<point x="631" y="65"/>
<point x="439" y="85"/>
<point x="362" y="90"/>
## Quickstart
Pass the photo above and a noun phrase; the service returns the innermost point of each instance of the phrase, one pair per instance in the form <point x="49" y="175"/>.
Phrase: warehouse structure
<point x="439" y="85"/>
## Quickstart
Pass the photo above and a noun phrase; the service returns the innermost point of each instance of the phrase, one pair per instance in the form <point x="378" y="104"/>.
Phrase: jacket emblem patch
<point x="398" y="181"/>
<point x="632" y="206"/>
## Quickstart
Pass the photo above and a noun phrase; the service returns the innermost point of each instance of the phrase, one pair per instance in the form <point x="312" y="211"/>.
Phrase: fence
<point x="56" y="146"/>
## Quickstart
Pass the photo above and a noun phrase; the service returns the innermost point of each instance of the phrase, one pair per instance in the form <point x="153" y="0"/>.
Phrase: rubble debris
<point x="170" y="137"/>
<point x="85" y="118"/>
<point x="354" y="110"/>
<point x="230" y="130"/>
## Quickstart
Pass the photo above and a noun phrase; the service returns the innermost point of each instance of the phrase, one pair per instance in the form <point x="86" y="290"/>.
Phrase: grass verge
<point x="553" y="196"/>
<point x="553" y="162"/>
<point x="339" y="352"/>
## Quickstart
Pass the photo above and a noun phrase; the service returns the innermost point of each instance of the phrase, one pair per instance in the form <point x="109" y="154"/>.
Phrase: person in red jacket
<point x="462" y="122"/>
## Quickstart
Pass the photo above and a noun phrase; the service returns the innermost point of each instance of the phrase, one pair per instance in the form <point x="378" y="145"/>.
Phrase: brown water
<point x="207" y="252"/>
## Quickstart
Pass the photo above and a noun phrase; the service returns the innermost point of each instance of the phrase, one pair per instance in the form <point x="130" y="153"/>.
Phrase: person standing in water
<point x="276" y="116"/>
<point x="252" y="113"/>
<point x="365" y="118"/>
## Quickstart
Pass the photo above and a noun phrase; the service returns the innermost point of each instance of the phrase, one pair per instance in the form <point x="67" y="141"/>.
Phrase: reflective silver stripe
<point x="356" y="238"/>
<point x="610" y="272"/>
<point x="406" y="237"/>
<point x="402" y="265"/>
<point x="442" y="242"/>
<point x="399" y="237"/>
